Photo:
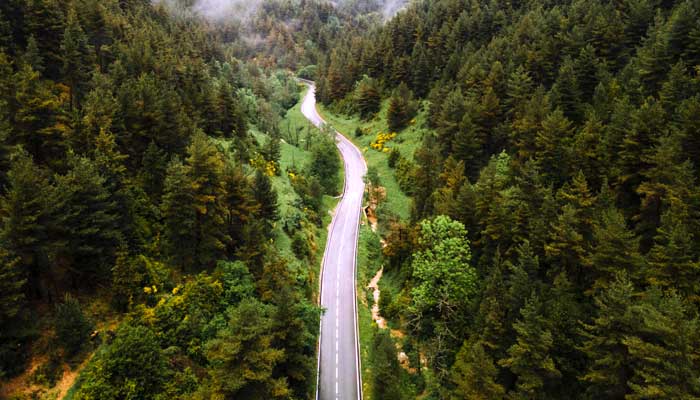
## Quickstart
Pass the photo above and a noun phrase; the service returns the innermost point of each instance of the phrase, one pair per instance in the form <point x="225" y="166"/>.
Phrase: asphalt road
<point x="339" y="349"/>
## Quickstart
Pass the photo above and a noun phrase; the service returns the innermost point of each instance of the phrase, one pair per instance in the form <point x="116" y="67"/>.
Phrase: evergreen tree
<point x="387" y="372"/>
<point x="77" y="58"/>
<point x="32" y="56"/>
<point x="84" y="229"/>
<point x="239" y="204"/>
<point x="38" y="123"/>
<point x="242" y="356"/>
<point x="24" y="212"/>
<point x="610" y="363"/>
<point x="401" y="108"/>
<point x="45" y="20"/>
<point x="206" y="168"/>
<point x="12" y="282"/>
<point x="6" y="149"/>
<point x="664" y="353"/>
<point x="529" y="358"/>
<point x="266" y="198"/>
<point x="179" y="217"/>
<point x="615" y="249"/>
<point x="673" y="258"/>
<point x="553" y="141"/>
<point x="475" y="375"/>
<point x="368" y="98"/>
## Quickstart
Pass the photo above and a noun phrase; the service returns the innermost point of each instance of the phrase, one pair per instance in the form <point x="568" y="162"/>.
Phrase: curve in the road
<point x="339" y="357"/>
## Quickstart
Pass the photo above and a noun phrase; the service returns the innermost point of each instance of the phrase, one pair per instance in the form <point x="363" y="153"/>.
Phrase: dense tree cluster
<point x="562" y="137"/>
<point x="133" y="174"/>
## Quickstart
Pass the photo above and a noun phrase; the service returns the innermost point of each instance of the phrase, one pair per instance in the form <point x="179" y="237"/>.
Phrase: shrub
<point x="73" y="328"/>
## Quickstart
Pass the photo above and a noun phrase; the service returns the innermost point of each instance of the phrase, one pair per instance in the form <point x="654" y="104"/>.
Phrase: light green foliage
<point x="444" y="280"/>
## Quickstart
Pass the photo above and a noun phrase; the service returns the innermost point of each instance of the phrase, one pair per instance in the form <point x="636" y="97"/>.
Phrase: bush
<point x="73" y="328"/>
<point x="300" y="246"/>
<point x="307" y="72"/>
<point x="394" y="157"/>
<point x="132" y="367"/>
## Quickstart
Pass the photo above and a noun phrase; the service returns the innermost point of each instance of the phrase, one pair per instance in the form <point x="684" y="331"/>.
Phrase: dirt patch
<point x="374" y="287"/>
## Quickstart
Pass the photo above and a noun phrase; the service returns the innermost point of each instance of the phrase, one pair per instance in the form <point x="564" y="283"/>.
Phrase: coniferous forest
<point x="163" y="205"/>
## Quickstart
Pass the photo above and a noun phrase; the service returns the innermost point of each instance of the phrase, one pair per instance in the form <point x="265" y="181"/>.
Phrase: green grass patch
<point x="368" y="263"/>
<point x="406" y="142"/>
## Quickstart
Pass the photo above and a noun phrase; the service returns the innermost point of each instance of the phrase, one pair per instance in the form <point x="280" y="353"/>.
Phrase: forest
<point x="163" y="211"/>
<point x="551" y="250"/>
<point x="145" y="240"/>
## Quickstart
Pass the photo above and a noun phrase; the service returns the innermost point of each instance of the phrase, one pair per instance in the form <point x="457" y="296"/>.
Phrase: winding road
<point x="338" y="360"/>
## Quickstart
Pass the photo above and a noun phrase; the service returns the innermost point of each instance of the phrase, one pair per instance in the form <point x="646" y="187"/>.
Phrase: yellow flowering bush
<point x="379" y="143"/>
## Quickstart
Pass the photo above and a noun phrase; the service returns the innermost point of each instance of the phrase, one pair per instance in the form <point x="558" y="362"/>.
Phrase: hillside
<point x="550" y="152"/>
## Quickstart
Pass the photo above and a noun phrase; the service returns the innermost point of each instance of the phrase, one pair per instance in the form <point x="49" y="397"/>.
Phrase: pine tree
<point x="566" y="91"/>
<point x="475" y="375"/>
<point x="553" y="141"/>
<point x="179" y="217"/>
<point x="77" y="58"/>
<point x="84" y="222"/>
<point x="266" y="198"/>
<point x="615" y="248"/>
<point x="32" y="56"/>
<point x="668" y="179"/>
<point x="206" y="168"/>
<point x="45" y="20"/>
<point x="6" y="149"/>
<point x="673" y="259"/>
<point x="242" y="355"/>
<point x="387" y="372"/>
<point x="452" y="115"/>
<point x="610" y="363"/>
<point x="24" y="212"/>
<point x="664" y="353"/>
<point x="12" y="281"/>
<point x="154" y="171"/>
<point x="422" y="70"/>
<point x="38" y="123"/>
<point x="401" y="109"/>
<point x="429" y="161"/>
<point x="5" y="32"/>
<point x="566" y="247"/>
<point x="99" y="113"/>
<point x="239" y="204"/>
<point x="529" y="358"/>
<point x="368" y="98"/>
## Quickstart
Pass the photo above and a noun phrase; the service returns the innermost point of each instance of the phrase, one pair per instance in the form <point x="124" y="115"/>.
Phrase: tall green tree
<point x="78" y="58"/>
<point x="387" y="372"/>
<point x="529" y="358"/>
<point x="474" y="374"/>
<point x="24" y="212"/>
<point x="179" y="217"/>
<point x="242" y="357"/>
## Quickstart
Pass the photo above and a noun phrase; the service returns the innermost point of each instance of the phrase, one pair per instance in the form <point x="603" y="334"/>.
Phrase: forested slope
<point x="552" y="250"/>
<point x="141" y="228"/>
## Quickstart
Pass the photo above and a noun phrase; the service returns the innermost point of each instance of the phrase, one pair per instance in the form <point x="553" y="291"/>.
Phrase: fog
<point x="222" y="10"/>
